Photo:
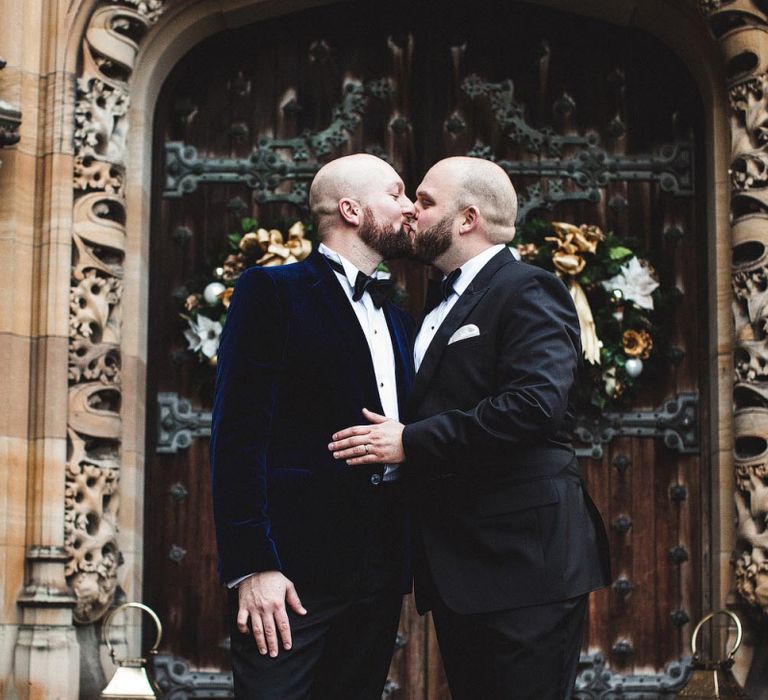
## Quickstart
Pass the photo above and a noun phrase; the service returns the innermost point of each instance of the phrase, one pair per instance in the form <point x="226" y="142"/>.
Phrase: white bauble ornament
<point x="212" y="291"/>
<point x="633" y="366"/>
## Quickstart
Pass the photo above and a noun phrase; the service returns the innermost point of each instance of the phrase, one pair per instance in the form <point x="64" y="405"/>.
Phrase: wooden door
<point x="584" y="116"/>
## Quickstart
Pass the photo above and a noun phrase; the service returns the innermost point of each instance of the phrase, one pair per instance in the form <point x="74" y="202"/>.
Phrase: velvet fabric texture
<point x="293" y="368"/>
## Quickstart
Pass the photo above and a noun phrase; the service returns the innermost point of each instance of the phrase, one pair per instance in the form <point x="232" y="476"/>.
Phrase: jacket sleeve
<point x="250" y="363"/>
<point x="537" y="359"/>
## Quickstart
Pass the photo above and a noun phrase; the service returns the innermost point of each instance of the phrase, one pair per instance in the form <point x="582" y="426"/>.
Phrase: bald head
<point x="348" y="177"/>
<point x="482" y="183"/>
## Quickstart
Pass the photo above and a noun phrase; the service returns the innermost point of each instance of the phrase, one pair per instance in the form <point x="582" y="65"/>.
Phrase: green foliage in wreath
<point x="618" y="299"/>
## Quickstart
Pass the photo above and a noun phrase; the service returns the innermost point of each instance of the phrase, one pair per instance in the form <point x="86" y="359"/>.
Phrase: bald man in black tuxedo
<point x="507" y="542"/>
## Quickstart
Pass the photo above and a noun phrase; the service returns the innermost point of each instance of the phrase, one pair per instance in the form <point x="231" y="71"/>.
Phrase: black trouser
<point x="341" y="650"/>
<point x="524" y="654"/>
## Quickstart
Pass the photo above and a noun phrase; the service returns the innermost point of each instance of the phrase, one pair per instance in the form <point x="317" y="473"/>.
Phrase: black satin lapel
<point x="448" y="327"/>
<point x="458" y="313"/>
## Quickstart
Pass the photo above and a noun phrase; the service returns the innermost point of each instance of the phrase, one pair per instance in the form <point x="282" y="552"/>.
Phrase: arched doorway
<point x="413" y="99"/>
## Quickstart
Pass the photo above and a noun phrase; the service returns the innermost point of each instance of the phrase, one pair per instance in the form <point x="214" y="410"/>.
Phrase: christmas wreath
<point x="617" y="295"/>
<point x="206" y="302"/>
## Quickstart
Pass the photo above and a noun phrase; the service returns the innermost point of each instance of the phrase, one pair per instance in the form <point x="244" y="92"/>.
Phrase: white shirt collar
<point x="350" y="271"/>
<point x="470" y="268"/>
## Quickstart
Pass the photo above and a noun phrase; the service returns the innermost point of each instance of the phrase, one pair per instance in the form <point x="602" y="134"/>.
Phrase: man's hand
<point x="378" y="443"/>
<point x="262" y="599"/>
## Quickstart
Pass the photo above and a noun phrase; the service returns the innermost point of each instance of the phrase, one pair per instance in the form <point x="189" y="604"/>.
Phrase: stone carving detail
<point x="90" y="528"/>
<point x="110" y="46"/>
<point x="740" y="27"/>
<point x="99" y="117"/>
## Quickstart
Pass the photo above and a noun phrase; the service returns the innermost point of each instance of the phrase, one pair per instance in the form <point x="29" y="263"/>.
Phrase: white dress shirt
<point x="434" y="319"/>
<point x="376" y="331"/>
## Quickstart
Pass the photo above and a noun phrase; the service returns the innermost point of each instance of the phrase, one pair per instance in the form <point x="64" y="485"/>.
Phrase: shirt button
<point x="431" y="328"/>
<point x="375" y="332"/>
<point x="382" y="384"/>
<point x="375" y="479"/>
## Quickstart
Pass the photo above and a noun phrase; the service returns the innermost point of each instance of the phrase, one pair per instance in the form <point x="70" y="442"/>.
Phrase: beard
<point x="387" y="241"/>
<point x="432" y="242"/>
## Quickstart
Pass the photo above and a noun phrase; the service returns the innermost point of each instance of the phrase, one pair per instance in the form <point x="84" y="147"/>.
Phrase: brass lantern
<point x="712" y="680"/>
<point x="130" y="681"/>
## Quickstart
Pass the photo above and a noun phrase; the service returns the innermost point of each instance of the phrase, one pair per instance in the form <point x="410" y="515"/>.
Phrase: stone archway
<point x="126" y="50"/>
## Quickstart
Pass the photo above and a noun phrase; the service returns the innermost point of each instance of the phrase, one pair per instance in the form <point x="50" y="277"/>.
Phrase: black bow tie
<point x="379" y="290"/>
<point x="440" y="291"/>
<point x="446" y="286"/>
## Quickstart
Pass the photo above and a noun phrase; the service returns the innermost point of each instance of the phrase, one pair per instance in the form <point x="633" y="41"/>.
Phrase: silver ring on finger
<point x="367" y="448"/>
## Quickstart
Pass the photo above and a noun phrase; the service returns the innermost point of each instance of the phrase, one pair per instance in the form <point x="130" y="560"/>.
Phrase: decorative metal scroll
<point x="178" y="682"/>
<point x="265" y="170"/>
<point x="110" y="46"/>
<point x="178" y="424"/>
<point x="596" y="682"/>
<point x="676" y="422"/>
<point x="579" y="159"/>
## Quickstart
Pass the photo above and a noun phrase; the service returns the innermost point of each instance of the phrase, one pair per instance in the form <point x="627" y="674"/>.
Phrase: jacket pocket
<point x="472" y="341"/>
<point x="512" y="498"/>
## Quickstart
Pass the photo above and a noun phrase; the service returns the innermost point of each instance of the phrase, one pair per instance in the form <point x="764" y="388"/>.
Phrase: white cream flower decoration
<point x="635" y="282"/>
<point x="203" y="336"/>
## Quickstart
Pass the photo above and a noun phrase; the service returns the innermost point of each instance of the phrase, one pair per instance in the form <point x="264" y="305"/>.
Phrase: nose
<point x="407" y="207"/>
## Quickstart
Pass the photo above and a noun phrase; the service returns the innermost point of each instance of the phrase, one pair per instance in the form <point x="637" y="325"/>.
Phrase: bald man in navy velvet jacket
<point x="305" y="347"/>
<point x="508" y="544"/>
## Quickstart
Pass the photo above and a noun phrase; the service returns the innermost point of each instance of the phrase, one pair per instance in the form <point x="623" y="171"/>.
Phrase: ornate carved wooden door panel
<point x="595" y="125"/>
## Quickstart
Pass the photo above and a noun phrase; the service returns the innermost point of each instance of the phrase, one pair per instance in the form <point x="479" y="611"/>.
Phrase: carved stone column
<point x="741" y="27"/>
<point x="110" y="45"/>
<point x="46" y="647"/>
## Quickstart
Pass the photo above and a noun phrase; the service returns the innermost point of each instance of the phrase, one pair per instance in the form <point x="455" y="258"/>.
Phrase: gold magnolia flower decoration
<point x="233" y="266"/>
<point x="271" y="249"/>
<point x="588" y="238"/>
<point x="638" y="343"/>
<point x="225" y="296"/>
<point x="571" y="242"/>
<point x="568" y="263"/>
<point x="192" y="302"/>
<point x="528" y="251"/>
<point x="250" y="244"/>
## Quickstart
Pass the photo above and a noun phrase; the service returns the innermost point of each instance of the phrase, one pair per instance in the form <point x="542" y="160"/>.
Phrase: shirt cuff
<point x="236" y="582"/>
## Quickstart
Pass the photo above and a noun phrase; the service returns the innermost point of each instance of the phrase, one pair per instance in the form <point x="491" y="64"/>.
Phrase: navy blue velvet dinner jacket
<point x="294" y="367"/>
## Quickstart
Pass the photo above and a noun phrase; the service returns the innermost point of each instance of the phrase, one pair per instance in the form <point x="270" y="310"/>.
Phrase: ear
<point x="470" y="219"/>
<point x="350" y="211"/>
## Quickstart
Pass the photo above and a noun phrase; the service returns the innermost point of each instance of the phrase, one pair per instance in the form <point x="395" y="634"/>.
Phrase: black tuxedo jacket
<point x="294" y="367"/>
<point x="503" y="520"/>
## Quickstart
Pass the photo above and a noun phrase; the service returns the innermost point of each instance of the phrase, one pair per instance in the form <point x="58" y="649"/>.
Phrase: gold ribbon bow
<point x="274" y="249"/>
<point x="571" y="242"/>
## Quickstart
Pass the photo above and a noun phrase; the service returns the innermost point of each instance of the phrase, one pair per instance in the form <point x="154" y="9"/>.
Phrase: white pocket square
<point x="468" y="331"/>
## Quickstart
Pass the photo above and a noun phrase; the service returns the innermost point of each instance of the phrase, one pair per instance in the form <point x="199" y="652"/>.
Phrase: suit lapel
<point x="403" y="360"/>
<point x="329" y="294"/>
<point x="461" y="309"/>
